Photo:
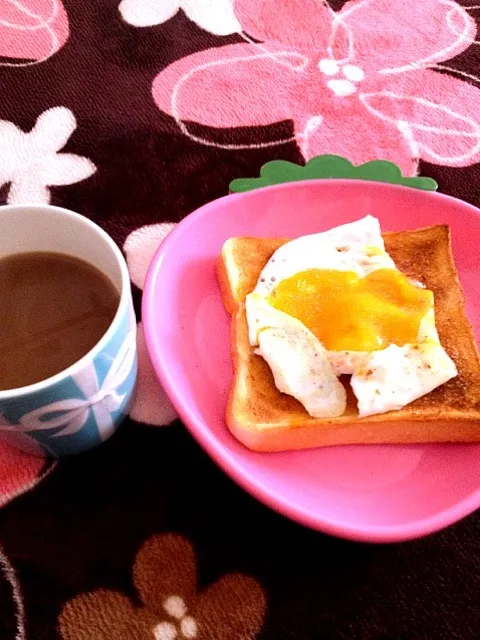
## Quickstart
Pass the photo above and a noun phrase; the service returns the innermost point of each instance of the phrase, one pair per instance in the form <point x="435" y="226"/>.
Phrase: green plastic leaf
<point x="330" y="166"/>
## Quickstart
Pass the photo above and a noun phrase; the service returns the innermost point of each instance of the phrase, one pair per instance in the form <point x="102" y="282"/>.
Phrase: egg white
<point x="345" y="248"/>
<point x="395" y="376"/>
<point x="298" y="360"/>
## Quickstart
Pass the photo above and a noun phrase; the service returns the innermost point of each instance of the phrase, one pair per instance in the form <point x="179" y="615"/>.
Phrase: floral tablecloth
<point x="134" y="113"/>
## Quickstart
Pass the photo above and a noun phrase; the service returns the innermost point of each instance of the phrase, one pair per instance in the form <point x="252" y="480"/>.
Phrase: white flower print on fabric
<point x="176" y="608"/>
<point x="215" y="16"/>
<point x="30" y="161"/>
<point x="150" y="404"/>
<point x="140" y="247"/>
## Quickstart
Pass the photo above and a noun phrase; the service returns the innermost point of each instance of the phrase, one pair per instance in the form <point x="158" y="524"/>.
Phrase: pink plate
<point x="370" y="493"/>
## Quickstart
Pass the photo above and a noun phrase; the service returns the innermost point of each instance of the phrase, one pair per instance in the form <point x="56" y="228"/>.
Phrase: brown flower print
<point x="164" y="575"/>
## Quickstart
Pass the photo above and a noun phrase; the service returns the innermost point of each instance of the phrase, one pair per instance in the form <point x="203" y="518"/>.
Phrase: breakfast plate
<point x="374" y="493"/>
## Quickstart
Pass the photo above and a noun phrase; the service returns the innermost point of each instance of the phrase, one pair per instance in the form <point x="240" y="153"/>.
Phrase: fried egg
<point x="335" y="303"/>
<point x="296" y="357"/>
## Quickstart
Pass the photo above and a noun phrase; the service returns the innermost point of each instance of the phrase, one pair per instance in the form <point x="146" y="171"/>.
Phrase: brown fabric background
<point x="82" y="527"/>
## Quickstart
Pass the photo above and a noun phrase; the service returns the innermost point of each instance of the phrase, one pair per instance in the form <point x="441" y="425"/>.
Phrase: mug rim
<point x="75" y="367"/>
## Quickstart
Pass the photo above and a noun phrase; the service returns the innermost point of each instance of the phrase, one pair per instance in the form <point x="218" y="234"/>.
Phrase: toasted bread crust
<point x="266" y="420"/>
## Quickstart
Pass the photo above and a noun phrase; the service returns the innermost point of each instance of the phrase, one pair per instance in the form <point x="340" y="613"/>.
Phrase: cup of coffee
<point x="68" y="359"/>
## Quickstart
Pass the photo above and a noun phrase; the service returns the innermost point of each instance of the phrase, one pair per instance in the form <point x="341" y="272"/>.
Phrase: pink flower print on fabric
<point x="360" y="82"/>
<point x="31" y="31"/>
<point x="20" y="472"/>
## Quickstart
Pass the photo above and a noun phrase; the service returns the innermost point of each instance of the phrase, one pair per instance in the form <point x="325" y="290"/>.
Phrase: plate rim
<point x="222" y="457"/>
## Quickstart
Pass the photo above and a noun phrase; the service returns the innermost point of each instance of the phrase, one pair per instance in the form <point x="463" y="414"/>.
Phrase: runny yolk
<point x="349" y="313"/>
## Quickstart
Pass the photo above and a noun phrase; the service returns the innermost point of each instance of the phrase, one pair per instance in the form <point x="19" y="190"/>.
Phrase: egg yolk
<point x="349" y="313"/>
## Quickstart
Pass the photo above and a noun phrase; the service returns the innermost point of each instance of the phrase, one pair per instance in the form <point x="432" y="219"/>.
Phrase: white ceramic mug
<point x="82" y="406"/>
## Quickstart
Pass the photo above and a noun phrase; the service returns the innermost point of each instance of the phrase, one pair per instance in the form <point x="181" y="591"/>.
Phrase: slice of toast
<point x="264" y="419"/>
